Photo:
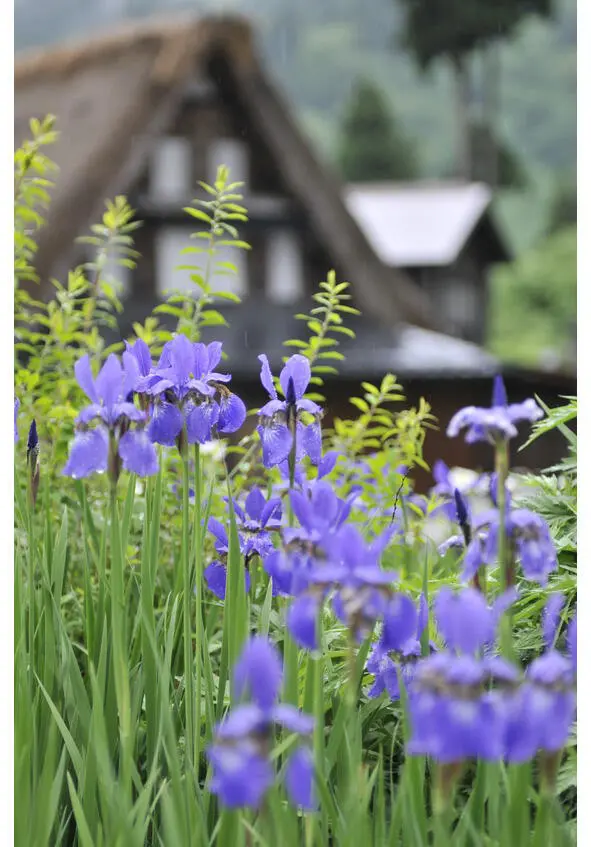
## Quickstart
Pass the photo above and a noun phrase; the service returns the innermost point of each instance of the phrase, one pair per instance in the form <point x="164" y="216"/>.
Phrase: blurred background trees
<point x="498" y="103"/>
<point x="457" y="31"/>
<point x="533" y="308"/>
<point x="373" y="145"/>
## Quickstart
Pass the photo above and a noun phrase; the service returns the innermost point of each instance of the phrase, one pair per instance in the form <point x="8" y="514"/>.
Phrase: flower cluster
<point x="118" y="436"/>
<point x="240" y="754"/>
<point x="466" y="702"/>
<point x="255" y="522"/>
<point x="189" y="397"/>
<point x="183" y="400"/>
<point x="445" y="488"/>
<point x="399" y="647"/>
<point x="530" y="542"/>
<point x="326" y="557"/>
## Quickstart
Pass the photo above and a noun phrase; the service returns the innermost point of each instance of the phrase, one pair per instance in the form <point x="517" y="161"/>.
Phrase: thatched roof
<point x="114" y="94"/>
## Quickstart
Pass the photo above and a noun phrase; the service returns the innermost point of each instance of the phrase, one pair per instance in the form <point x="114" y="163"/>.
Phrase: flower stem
<point x="446" y="776"/>
<point x="119" y="640"/>
<point x="290" y="648"/>
<point x="507" y="574"/>
<point x="351" y="671"/>
<point x="187" y="628"/>
<point x="148" y="624"/>
<point x="32" y="604"/>
<point x="198" y="601"/>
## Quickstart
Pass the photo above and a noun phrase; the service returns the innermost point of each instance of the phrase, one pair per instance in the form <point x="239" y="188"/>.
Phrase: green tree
<point x="534" y="304"/>
<point x="456" y="30"/>
<point x="563" y="204"/>
<point x="510" y="171"/>
<point x="373" y="146"/>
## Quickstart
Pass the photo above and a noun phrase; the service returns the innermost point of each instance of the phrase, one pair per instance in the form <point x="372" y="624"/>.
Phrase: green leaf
<point x="198" y="214"/>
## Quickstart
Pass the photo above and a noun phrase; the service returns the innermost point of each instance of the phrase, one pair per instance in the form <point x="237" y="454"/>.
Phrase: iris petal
<point x="232" y="414"/>
<point x="276" y="440"/>
<point x="299" y="779"/>
<point x="88" y="454"/>
<point x="166" y="424"/>
<point x="200" y="420"/>
<point x="138" y="453"/>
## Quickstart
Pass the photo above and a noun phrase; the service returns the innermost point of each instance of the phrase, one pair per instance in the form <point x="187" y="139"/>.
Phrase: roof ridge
<point x="416" y="184"/>
<point x="66" y="57"/>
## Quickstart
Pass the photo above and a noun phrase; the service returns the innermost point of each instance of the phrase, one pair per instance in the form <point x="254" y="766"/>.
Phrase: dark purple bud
<point x="499" y="397"/>
<point x="461" y="508"/>
<point x="33" y="461"/>
<point x="290" y="396"/>
<point x="462" y="516"/>
<point x="33" y="439"/>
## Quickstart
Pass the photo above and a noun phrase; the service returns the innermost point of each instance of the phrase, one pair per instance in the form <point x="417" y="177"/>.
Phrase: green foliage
<point x="324" y="321"/>
<point x="379" y="427"/>
<point x="533" y="303"/>
<point x="32" y="172"/>
<point x="553" y="495"/>
<point x="219" y="213"/>
<point x="373" y="146"/>
<point x="554" y="492"/>
<point x="51" y="334"/>
<point x="563" y="204"/>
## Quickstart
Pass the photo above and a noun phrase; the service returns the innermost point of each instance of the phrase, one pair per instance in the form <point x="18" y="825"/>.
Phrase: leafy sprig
<point x="218" y="214"/>
<point x="32" y="181"/>
<point x="323" y="321"/>
<point x="112" y="239"/>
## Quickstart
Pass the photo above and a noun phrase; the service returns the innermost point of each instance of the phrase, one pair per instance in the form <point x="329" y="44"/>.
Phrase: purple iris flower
<point x="258" y="515"/>
<point x="446" y="489"/>
<point x="113" y="441"/>
<point x="399" y="646"/>
<point x="453" y="716"/>
<point x="454" y="713"/>
<point x="281" y="420"/>
<point x="465" y="621"/>
<point x="463" y="705"/>
<point x="189" y="393"/>
<point x="530" y="540"/>
<point x="17" y="403"/>
<point x="549" y="699"/>
<point x="362" y="588"/>
<point x="473" y="538"/>
<point x="255" y="522"/>
<point x="240" y="753"/>
<point x="320" y="513"/>
<point x="496" y="423"/>
<point x="351" y="572"/>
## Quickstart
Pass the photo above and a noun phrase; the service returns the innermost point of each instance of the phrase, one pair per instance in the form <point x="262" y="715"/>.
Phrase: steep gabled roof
<point x="420" y="224"/>
<point x="114" y="94"/>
